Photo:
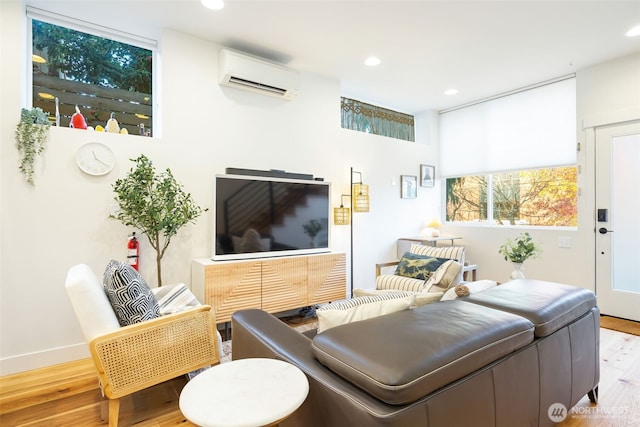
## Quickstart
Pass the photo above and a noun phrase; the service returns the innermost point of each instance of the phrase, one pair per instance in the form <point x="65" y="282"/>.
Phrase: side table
<point x="470" y="270"/>
<point x="244" y="392"/>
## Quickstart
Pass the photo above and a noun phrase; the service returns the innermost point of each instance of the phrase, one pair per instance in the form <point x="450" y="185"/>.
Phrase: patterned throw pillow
<point x="418" y="266"/>
<point x="130" y="296"/>
<point x="448" y="275"/>
<point x="361" y="308"/>
<point x="174" y="298"/>
<point x="449" y="252"/>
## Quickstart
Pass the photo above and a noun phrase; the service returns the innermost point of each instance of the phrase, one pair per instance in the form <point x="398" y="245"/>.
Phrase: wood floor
<point x="67" y="395"/>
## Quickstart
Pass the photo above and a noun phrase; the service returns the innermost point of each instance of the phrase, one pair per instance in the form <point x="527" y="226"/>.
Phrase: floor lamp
<point x="359" y="203"/>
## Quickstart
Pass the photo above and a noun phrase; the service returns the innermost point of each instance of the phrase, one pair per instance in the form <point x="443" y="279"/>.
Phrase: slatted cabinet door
<point x="284" y="283"/>
<point x="273" y="284"/>
<point x="327" y="278"/>
<point x="233" y="286"/>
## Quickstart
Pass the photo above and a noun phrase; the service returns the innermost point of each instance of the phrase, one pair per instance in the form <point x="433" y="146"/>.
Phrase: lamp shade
<point x="360" y="196"/>
<point x="341" y="216"/>
<point x="434" y="223"/>
<point x="435" y="226"/>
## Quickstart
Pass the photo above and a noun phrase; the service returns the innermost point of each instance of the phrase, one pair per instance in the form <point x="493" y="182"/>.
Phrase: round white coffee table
<point x="244" y="392"/>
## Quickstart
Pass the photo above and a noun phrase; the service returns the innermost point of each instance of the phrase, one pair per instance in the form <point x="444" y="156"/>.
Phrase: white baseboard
<point x="41" y="359"/>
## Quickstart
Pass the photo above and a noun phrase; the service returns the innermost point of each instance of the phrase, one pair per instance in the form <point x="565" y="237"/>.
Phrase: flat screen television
<point x="261" y="216"/>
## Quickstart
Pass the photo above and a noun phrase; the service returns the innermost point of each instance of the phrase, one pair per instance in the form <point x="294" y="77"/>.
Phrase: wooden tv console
<point x="272" y="284"/>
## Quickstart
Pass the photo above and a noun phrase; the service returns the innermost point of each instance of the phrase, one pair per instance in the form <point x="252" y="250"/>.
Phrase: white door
<point x="617" y="226"/>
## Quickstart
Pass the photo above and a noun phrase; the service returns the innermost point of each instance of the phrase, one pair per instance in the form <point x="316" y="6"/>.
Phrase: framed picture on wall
<point x="409" y="184"/>
<point x="427" y="175"/>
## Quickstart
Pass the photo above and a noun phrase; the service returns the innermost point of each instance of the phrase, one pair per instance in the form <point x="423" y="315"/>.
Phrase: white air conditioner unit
<point x="257" y="75"/>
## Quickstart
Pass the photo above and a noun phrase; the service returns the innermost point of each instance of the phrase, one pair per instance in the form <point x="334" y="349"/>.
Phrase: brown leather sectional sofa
<point x="513" y="355"/>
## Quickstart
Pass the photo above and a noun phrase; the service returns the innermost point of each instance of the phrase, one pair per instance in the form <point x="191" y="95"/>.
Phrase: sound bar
<point x="273" y="173"/>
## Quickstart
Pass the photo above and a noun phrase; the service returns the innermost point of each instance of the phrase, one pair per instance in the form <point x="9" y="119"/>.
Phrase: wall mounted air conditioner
<point x="250" y="73"/>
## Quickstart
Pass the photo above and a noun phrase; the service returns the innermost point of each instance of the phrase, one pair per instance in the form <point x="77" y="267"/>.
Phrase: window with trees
<point x="109" y="82"/>
<point x="541" y="197"/>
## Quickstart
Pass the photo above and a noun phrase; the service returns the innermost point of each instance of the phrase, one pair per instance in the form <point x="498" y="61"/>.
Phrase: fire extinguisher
<point x="133" y="251"/>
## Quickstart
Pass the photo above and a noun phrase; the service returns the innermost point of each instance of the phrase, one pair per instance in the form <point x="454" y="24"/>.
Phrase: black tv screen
<point x="259" y="216"/>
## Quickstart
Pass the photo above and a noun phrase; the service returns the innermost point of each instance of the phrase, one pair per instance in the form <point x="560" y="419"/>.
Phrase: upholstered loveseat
<point x="501" y="357"/>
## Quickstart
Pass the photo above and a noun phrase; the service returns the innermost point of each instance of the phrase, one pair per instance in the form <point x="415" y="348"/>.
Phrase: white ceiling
<point x="482" y="48"/>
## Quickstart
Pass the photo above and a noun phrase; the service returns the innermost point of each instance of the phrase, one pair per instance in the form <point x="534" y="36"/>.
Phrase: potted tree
<point x="31" y="137"/>
<point x="518" y="251"/>
<point x="155" y="204"/>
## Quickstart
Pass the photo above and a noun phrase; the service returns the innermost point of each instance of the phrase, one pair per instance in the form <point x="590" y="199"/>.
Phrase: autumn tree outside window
<point x="542" y="197"/>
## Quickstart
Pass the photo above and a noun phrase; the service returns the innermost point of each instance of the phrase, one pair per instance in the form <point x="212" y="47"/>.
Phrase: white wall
<point x="206" y="128"/>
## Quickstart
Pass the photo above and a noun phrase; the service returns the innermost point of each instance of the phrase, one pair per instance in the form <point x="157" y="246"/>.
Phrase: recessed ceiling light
<point x="213" y="4"/>
<point x="451" y="91"/>
<point x="372" y="61"/>
<point x="635" y="31"/>
<point x="38" y="59"/>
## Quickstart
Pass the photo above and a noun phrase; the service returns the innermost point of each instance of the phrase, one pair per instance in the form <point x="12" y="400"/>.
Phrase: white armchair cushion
<point x="90" y="302"/>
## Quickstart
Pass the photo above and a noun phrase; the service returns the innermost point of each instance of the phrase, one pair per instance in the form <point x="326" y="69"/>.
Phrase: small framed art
<point x="409" y="184"/>
<point x="427" y="175"/>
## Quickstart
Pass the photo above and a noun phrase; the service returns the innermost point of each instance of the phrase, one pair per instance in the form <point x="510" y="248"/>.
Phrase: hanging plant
<point x="31" y="136"/>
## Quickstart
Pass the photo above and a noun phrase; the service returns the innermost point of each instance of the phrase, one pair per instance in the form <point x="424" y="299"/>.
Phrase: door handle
<point x="603" y="230"/>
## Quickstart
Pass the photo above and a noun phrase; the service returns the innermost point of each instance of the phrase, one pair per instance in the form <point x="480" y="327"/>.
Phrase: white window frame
<point x="490" y="222"/>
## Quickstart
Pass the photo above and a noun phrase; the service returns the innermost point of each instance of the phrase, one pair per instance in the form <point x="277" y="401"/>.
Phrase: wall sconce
<point x="435" y="226"/>
<point x="342" y="215"/>
<point x="360" y="194"/>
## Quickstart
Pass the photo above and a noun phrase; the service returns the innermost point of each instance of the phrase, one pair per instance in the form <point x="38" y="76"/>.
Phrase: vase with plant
<point x="31" y="137"/>
<point x="155" y="204"/>
<point x="311" y="229"/>
<point x="518" y="250"/>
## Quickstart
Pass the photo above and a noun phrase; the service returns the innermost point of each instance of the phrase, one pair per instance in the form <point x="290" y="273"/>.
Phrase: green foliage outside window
<point x="102" y="78"/>
<point x="91" y="59"/>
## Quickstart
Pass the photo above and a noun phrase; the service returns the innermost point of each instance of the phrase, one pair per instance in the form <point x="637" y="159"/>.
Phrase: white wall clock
<point x="95" y="158"/>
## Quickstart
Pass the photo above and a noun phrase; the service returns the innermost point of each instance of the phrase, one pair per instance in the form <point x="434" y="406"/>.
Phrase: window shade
<point x="91" y="28"/>
<point x="534" y="128"/>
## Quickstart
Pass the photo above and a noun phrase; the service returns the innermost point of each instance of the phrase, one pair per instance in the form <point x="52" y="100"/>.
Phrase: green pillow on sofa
<point x="418" y="266"/>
